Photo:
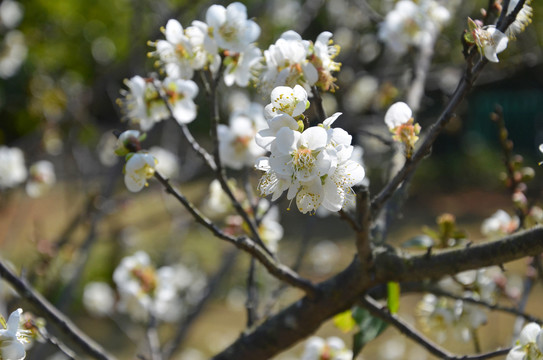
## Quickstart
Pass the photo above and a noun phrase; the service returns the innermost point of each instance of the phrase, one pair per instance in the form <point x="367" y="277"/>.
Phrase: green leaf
<point x="344" y="321"/>
<point x="419" y="242"/>
<point x="393" y="299"/>
<point x="370" y="328"/>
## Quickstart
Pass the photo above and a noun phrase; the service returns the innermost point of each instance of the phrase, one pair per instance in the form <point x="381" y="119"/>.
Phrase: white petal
<point x="174" y="32"/>
<point x="216" y="15"/>
<point x="314" y="138"/>
<point x="309" y="198"/>
<point x="516" y="353"/>
<point x="398" y="114"/>
<point x="529" y="333"/>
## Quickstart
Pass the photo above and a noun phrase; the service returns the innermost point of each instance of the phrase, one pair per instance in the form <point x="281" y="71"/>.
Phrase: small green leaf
<point x="344" y="321"/>
<point x="419" y="242"/>
<point x="370" y="328"/>
<point x="393" y="299"/>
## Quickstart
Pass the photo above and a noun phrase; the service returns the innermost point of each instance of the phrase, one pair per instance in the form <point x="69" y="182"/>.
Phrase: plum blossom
<point x="285" y="110"/>
<point x="237" y="144"/>
<point x="164" y="292"/>
<point x="181" y="94"/>
<point x="313" y="164"/>
<point x="139" y="167"/>
<point x="489" y="40"/>
<point x="399" y="120"/>
<point x="499" y="224"/>
<point x="332" y="348"/>
<point x="12" y="167"/>
<point x="240" y="67"/>
<point x="177" y="53"/>
<point x="42" y="178"/>
<point x="529" y="345"/>
<point x="413" y="23"/>
<point x="269" y="229"/>
<point x="12" y="338"/>
<point x="142" y="103"/>
<point x="323" y="60"/>
<point x="230" y="27"/>
<point x="287" y="64"/>
<point x="129" y="141"/>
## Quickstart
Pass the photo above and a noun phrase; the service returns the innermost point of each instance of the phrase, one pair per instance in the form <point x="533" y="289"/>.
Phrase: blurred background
<point x="62" y="66"/>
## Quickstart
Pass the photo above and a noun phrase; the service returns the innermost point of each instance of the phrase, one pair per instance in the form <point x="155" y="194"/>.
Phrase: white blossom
<point x="529" y="345"/>
<point x="490" y="41"/>
<point x="12" y="339"/>
<point x="42" y="178"/>
<point x="12" y="167"/>
<point x="397" y="115"/>
<point x="139" y="167"/>
<point x="142" y="103"/>
<point x="177" y="52"/>
<point x="240" y="67"/>
<point x="412" y="23"/>
<point x="287" y="64"/>
<point x="181" y="94"/>
<point x="237" y="144"/>
<point x="523" y="19"/>
<point x="231" y="29"/>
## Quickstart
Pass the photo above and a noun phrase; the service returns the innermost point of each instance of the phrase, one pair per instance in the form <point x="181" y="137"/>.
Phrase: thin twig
<point x="45" y="308"/>
<point x="152" y="338"/>
<point x="275" y="268"/>
<point x="405" y="328"/>
<point x="507" y="309"/>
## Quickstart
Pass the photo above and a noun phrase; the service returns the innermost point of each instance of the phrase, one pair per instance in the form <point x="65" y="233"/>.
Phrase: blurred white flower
<point x="12" y="167"/>
<point x="269" y="229"/>
<point x="167" y="162"/>
<point x="13" y="51"/>
<point x="98" y="298"/>
<point x="42" y="178"/>
<point x="360" y="95"/>
<point x="231" y="29"/>
<point x="324" y="256"/>
<point x="413" y="23"/>
<point x="333" y="348"/>
<point x="11" y="13"/>
<point x="499" y="224"/>
<point x="139" y="167"/>
<point x="237" y="145"/>
<point x="241" y="67"/>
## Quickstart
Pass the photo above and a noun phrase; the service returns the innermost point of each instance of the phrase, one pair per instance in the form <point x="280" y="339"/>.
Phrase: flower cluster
<point x="144" y="101"/>
<point x="499" y="224"/>
<point x="413" y="23"/>
<point x="165" y="292"/>
<point x="312" y="164"/>
<point x="529" y="345"/>
<point x="226" y="32"/>
<point x="332" y="348"/>
<point x="293" y="61"/>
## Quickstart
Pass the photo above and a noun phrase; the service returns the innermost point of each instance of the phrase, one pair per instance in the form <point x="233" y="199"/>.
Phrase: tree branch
<point x="304" y="317"/>
<point x="45" y="308"/>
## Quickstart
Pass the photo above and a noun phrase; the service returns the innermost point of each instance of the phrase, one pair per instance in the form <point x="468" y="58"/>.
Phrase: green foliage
<point x="370" y="327"/>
